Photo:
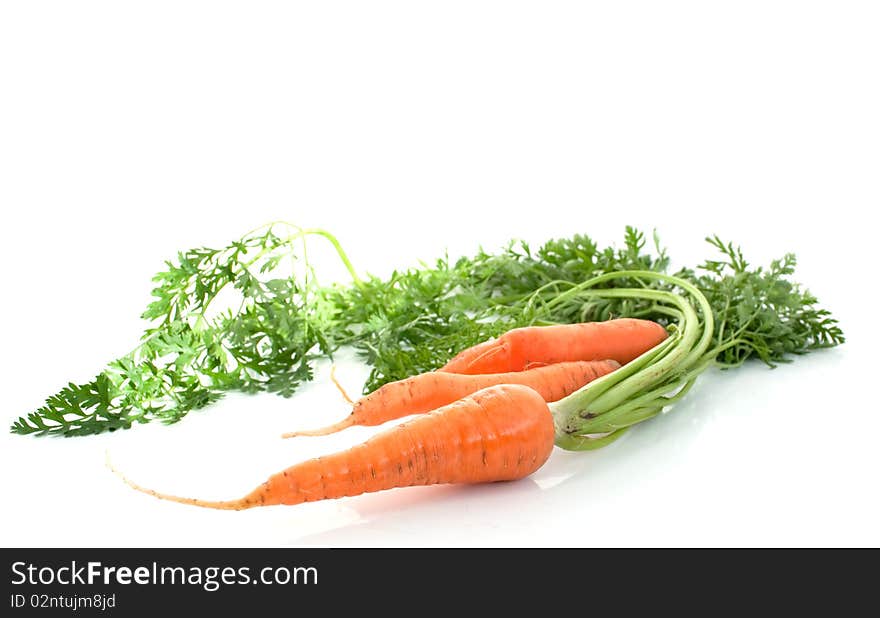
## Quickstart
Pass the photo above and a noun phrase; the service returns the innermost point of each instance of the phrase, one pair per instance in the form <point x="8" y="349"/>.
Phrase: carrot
<point x="500" y="433"/>
<point x="428" y="391"/>
<point x="621" y="339"/>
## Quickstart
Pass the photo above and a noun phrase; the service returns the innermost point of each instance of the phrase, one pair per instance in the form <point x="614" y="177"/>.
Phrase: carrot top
<point x="605" y="409"/>
<point x="253" y="316"/>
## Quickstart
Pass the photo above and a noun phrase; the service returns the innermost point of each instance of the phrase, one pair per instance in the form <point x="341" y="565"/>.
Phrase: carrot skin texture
<point x="621" y="339"/>
<point x="501" y="433"/>
<point x="428" y="391"/>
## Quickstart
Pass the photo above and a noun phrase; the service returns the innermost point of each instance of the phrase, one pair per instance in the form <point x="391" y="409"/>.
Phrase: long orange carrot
<point x="428" y="391"/>
<point x="621" y="339"/>
<point x="501" y="433"/>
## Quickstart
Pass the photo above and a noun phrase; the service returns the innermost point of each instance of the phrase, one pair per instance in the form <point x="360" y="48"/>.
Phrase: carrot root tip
<point x="322" y="431"/>
<point x="230" y="505"/>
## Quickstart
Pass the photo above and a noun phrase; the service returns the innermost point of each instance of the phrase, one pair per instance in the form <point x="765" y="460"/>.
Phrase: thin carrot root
<point x="231" y="505"/>
<point x="339" y="386"/>
<point x="502" y="433"/>
<point x="323" y="431"/>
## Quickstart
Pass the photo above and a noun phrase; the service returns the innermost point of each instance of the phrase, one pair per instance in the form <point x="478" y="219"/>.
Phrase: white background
<point x="130" y="131"/>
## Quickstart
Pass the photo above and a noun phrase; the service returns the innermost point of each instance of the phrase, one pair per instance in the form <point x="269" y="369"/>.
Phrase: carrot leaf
<point x="252" y="317"/>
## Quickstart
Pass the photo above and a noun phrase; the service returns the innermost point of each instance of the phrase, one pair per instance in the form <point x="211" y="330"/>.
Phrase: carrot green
<point x="253" y="317"/>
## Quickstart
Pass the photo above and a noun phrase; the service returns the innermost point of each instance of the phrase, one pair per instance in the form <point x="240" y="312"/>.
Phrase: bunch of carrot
<point x="492" y="413"/>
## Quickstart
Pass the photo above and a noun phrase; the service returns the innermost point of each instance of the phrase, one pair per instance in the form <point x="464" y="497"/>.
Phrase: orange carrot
<point x="428" y="391"/>
<point x="622" y="340"/>
<point x="500" y="433"/>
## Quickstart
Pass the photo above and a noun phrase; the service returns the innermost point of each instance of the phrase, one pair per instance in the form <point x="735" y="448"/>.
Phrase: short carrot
<point x="621" y="339"/>
<point x="427" y="391"/>
<point x="500" y="433"/>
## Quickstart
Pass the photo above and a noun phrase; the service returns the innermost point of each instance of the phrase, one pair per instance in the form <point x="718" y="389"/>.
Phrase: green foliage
<point x="759" y="311"/>
<point x="189" y="359"/>
<point x="415" y="320"/>
<point x="409" y="322"/>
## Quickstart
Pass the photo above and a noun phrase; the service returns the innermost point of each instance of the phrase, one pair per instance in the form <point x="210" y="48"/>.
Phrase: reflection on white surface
<point x="737" y="462"/>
